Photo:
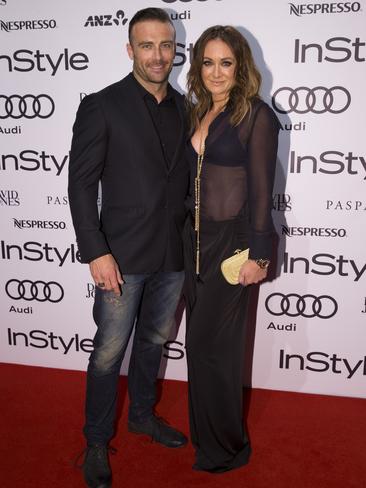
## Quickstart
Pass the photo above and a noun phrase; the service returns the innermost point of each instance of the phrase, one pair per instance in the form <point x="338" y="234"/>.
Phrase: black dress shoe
<point x="159" y="431"/>
<point x="96" y="468"/>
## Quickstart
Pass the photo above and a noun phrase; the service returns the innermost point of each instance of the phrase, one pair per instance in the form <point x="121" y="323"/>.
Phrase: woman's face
<point x="218" y="69"/>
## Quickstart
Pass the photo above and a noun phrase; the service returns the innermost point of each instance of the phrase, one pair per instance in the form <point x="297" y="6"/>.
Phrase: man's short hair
<point x="150" y="13"/>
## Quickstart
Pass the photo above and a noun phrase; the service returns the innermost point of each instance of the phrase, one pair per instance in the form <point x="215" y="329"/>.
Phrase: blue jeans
<point x="150" y="302"/>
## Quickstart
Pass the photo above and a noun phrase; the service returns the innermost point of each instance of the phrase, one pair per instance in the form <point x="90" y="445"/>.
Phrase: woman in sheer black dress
<point x="237" y="132"/>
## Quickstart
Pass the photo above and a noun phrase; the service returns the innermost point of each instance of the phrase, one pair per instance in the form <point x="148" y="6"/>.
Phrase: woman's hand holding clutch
<point x="251" y="272"/>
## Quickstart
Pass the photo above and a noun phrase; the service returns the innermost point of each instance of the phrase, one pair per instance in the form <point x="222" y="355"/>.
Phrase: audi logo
<point x="307" y="306"/>
<point x="27" y="106"/>
<point x="34" y="290"/>
<point x="318" y="100"/>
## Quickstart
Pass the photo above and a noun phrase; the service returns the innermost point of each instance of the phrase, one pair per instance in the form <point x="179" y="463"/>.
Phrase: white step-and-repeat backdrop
<point x="311" y="320"/>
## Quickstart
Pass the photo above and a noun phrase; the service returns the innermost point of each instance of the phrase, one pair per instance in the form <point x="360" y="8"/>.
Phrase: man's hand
<point x="250" y="273"/>
<point x="104" y="270"/>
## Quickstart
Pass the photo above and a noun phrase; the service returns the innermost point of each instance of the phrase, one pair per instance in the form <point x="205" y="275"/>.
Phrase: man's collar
<point x="145" y="93"/>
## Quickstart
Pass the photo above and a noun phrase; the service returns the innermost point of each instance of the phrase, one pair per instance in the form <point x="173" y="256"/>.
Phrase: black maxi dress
<point x="236" y="201"/>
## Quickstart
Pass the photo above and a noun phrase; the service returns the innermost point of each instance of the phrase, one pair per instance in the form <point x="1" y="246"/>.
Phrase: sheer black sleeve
<point x="262" y="152"/>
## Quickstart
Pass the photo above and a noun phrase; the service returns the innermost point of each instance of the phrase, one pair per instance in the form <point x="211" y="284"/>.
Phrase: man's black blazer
<point x="143" y="210"/>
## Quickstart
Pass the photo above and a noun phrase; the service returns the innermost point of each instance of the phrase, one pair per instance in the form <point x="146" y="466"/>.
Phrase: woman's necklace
<point x="197" y="198"/>
<point x="197" y="184"/>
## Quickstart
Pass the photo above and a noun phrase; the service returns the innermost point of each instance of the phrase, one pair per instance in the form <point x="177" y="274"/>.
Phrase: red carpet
<point x="300" y="441"/>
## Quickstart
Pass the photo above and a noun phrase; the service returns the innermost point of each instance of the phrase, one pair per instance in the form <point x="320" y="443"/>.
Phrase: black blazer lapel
<point x="181" y="138"/>
<point x="130" y="101"/>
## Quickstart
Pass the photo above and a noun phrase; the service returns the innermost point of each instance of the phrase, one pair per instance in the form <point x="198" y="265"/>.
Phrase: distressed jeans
<point x="149" y="302"/>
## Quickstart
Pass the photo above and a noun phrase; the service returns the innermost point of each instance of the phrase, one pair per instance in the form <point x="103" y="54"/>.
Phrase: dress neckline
<point x="209" y="130"/>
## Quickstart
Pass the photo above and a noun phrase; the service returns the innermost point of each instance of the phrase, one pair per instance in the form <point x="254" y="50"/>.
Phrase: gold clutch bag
<point x="230" y="267"/>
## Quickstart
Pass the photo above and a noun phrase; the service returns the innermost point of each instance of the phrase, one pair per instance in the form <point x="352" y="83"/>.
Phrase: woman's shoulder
<point x="262" y="111"/>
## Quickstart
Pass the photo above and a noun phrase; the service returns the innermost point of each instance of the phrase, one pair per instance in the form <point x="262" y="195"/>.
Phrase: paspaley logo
<point x="321" y="362"/>
<point x="40" y="291"/>
<point x="106" y="20"/>
<point x="313" y="232"/>
<point x="343" y="49"/>
<point x="307" y="306"/>
<point x="20" y="25"/>
<point x="63" y="200"/>
<point x="317" y="100"/>
<point x="26" y="106"/>
<point x="9" y="198"/>
<point x="25" y="60"/>
<point x="347" y="205"/>
<point x="39" y="224"/>
<point x="30" y="160"/>
<point x="329" y="163"/>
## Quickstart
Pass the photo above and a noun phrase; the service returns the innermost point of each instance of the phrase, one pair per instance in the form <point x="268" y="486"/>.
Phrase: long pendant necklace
<point x="197" y="202"/>
<point x="197" y="187"/>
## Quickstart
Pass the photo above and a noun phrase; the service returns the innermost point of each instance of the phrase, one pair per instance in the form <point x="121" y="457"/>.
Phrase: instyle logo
<point x="281" y="202"/>
<point x="39" y="224"/>
<point x="39" y="290"/>
<point x="307" y="306"/>
<point x="181" y="56"/>
<point x="173" y="350"/>
<point x="106" y="20"/>
<point x="335" y="45"/>
<point x="324" y="8"/>
<point x="312" y="232"/>
<point x="40" y="339"/>
<point x="30" y="160"/>
<point x="38" y="251"/>
<point x="25" y="60"/>
<point x="9" y="198"/>
<point x="320" y="362"/>
<point x="26" y="106"/>
<point x="329" y="163"/>
<point x="324" y="264"/>
<point x="347" y="205"/>
<point x="20" y="25"/>
<point x="317" y="100"/>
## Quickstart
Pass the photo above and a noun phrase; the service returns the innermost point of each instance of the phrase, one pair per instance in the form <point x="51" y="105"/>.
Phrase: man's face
<point x="152" y="50"/>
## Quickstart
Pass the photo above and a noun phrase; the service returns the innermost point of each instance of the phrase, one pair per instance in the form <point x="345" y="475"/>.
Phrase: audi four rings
<point x="27" y="106"/>
<point x="34" y="290"/>
<point x="308" y="306"/>
<point x="317" y="100"/>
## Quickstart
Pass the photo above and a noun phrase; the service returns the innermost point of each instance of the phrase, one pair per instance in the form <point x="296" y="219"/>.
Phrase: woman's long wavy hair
<point x="247" y="77"/>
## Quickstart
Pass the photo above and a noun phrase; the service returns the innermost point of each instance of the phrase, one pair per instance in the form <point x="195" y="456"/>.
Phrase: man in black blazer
<point x="129" y="136"/>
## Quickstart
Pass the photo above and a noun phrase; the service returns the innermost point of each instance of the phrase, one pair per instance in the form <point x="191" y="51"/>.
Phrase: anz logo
<point x="106" y="20"/>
